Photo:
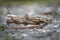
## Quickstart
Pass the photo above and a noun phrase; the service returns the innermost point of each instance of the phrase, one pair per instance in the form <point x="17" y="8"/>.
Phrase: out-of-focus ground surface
<point x="33" y="9"/>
